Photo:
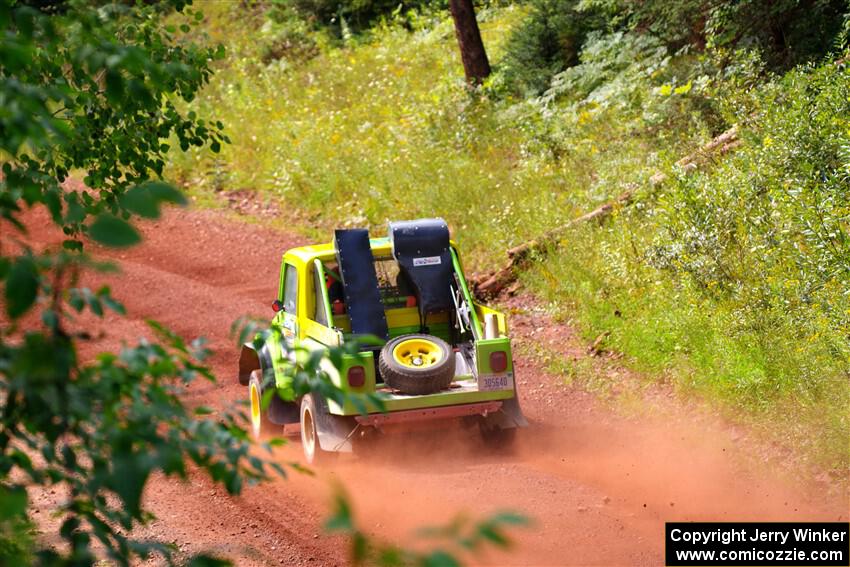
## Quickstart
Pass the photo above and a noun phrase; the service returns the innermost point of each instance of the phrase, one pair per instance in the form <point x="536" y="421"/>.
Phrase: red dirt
<point x="598" y="485"/>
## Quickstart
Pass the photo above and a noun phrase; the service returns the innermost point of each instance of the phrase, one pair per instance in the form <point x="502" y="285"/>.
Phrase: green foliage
<point x="787" y="33"/>
<point x="461" y="535"/>
<point x="306" y="375"/>
<point x="95" y="91"/>
<point x="789" y="192"/>
<point x="345" y="16"/>
<point x="16" y="531"/>
<point x="676" y="24"/>
<point x="633" y="78"/>
<point x="113" y="231"/>
<point x="384" y="128"/>
<point x="731" y="281"/>
<point x="549" y="40"/>
<point x="145" y="199"/>
<point x="92" y="90"/>
<point x="556" y="33"/>
<point x="21" y="286"/>
<point x="390" y="133"/>
<point x="286" y="36"/>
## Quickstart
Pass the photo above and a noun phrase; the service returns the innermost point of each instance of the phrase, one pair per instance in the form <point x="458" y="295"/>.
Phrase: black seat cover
<point x="360" y="283"/>
<point x="421" y="248"/>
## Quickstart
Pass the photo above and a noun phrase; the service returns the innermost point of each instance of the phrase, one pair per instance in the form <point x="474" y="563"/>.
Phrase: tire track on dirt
<point x="599" y="485"/>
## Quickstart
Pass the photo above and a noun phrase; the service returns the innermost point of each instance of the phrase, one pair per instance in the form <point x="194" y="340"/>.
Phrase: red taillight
<point x="356" y="376"/>
<point x="498" y="361"/>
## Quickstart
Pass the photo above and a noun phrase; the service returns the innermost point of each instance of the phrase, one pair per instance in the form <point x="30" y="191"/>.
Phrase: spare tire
<point x="417" y="364"/>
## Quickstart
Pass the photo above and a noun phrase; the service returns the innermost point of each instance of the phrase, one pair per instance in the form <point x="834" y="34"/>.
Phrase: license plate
<point x="490" y="382"/>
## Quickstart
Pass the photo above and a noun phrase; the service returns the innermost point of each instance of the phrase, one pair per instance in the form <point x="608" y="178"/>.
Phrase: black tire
<point x="313" y="452"/>
<point x="366" y="442"/>
<point x="434" y="375"/>
<point x="255" y="398"/>
<point x="496" y="437"/>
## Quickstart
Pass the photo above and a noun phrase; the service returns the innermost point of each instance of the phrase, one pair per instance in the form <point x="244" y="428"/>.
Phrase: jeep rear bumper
<point x="426" y="414"/>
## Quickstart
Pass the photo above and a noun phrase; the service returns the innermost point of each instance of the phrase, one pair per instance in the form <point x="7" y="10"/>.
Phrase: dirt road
<point x="598" y="485"/>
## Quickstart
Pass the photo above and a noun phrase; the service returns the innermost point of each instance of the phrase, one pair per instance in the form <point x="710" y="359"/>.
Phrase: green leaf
<point x="73" y="245"/>
<point x="109" y="230"/>
<point x="21" y="286"/>
<point x="439" y="558"/>
<point x="129" y="475"/>
<point x="75" y="213"/>
<point x="208" y="561"/>
<point x="145" y="199"/>
<point x="75" y="299"/>
<point x="493" y="534"/>
<point x="13" y="502"/>
<point x="111" y="302"/>
<point x="510" y="518"/>
<point x="341" y="520"/>
<point x="139" y="200"/>
<point x="94" y="305"/>
<point x="165" y="193"/>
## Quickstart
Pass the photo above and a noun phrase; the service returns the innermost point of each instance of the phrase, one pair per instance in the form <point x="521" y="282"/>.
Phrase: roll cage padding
<point x="421" y="248"/>
<point x="360" y="283"/>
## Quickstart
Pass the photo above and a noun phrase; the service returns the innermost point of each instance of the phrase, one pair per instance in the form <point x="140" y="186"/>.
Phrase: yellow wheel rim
<point x="417" y="353"/>
<point x="255" y="410"/>
<point x="308" y="435"/>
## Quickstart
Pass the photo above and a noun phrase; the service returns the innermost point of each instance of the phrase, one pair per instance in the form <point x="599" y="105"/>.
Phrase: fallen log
<point x="596" y="348"/>
<point x="519" y="253"/>
<point x="718" y="146"/>
<point x="493" y="283"/>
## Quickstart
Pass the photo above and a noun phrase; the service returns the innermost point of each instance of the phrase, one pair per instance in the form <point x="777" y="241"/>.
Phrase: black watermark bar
<point x="763" y="544"/>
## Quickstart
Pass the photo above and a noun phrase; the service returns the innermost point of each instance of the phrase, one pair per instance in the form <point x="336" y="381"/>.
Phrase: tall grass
<point x="733" y="283"/>
<point x="690" y="285"/>
<point x="384" y="128"/>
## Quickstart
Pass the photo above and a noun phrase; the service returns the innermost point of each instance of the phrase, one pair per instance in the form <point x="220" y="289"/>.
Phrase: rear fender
<point x="512" y="413"/>
<point x="509" y="415"/>
<point x="334" y="431"/>
<point x="249" y="360"/>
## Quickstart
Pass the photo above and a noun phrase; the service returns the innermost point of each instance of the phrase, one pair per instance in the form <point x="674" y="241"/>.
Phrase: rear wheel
<point x="366" y="441"/>
<point x="255" y="396"/>
<point x="417" y="364"/>
<point x="496" y="437"/>
<point x="313" y="452"/>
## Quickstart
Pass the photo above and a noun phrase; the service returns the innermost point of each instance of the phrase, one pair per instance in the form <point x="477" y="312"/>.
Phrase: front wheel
<point x="255" y="395"/>
<point x="313" y="452"/>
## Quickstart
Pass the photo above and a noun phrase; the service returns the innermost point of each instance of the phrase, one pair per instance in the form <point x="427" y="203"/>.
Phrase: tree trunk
<point x="475" y="63"/>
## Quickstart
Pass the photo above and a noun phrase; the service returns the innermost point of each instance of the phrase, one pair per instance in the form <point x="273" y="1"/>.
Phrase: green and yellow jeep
<point x="443" y="356"/>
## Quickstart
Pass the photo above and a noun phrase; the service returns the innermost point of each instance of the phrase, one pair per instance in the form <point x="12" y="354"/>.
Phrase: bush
<point x="788" y="33"/>
<point x="387" y="130"/>
<point x="553" y="35"/>
<point x="287" y="39"/>
<point x="733" y="281"/>
<point x="771" y="224"/>
<point x="356" y="15"/>
<point x="549" y="40"/>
